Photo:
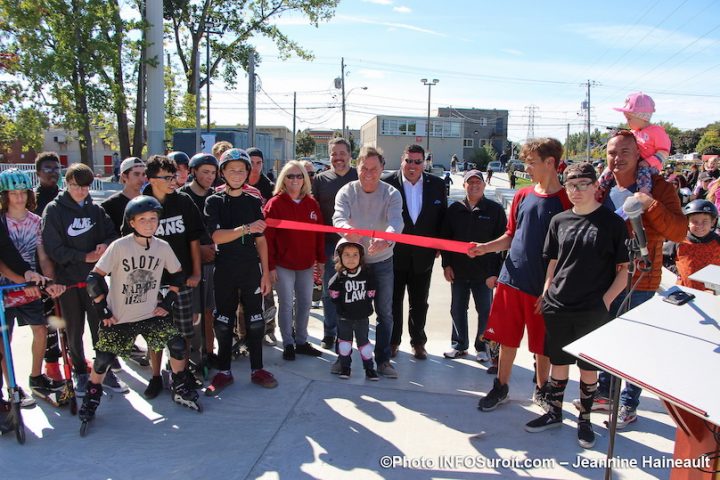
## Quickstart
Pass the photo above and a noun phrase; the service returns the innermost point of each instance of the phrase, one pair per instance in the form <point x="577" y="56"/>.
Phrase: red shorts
<point x="510" y="312"/>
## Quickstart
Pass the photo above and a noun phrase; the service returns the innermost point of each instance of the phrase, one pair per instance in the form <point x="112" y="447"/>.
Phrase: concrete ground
<point x="314" y="425"/>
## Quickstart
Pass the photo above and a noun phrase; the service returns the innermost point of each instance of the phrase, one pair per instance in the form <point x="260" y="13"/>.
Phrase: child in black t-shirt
<point x="588" y="262"/>
<point x="352" y="289"/>
<point x="236" y="224"/>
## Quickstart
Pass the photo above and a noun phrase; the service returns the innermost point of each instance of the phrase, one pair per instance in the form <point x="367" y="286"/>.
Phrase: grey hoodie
<point x="70" y="231"/>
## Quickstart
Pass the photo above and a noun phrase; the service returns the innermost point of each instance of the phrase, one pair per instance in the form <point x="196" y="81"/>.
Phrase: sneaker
<point x="307" y="349"/>
<point x="289" y="353"/>
<point x="26" y="401"/>
<point x="540" y="397"/>
<point x="219" y="381"/>
<point x="482" y="356"/>
<point x="336" y="367"/>
<point x="328" y="342"/>
<point x="497" y="396"/>
<point x="155" y="386"/>
<point x="269" y="339"/>
<point x="544" y="422"/>
<point x="43" y="382"/>
<point x="115" y="365"/>
<point x="387" y="370"/>
<point x="263" y="378"/>
<point x="115" y="384"/>
<point x="600" y="404"/>
<point x="345" y="372"/>
<point x="371" y="374"/>
<point x="626" y="416"/>
<point x="455" y="353"/>
<point x="81" y="380"/>
<point x="586" y="436"/>
<point x="5" y="406"/>
<point x="52" y="370"/>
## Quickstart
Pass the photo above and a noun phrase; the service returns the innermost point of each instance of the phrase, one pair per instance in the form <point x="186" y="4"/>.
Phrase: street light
<point x="345" y="96"/>
<point x="429" y="85"/>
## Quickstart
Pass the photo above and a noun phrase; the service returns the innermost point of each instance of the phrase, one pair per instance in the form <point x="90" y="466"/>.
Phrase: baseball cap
<point x="704" y="176"/>
<point x="129" y="163"/>
<point x="581" y="170"/>
<point x="637" y="102"/>
<point x="473" y="173"/>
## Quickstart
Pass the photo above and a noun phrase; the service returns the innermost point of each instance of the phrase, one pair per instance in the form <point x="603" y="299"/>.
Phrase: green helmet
<point x="14" y="179"/>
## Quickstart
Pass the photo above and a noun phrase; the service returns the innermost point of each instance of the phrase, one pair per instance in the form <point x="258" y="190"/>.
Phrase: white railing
<point x="29" y="168"/>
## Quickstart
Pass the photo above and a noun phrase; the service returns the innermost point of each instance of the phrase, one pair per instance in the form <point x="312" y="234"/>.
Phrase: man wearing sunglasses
<point x="424" y="204"/>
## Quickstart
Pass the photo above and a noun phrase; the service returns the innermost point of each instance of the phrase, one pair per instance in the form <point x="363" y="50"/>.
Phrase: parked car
<point x="517" y="165"/>
<point x="494" y="167"/>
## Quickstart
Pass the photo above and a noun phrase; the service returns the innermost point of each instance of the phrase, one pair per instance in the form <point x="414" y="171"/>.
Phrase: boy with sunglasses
<point x="181" y="226"/>
<point x="585" y="242"/>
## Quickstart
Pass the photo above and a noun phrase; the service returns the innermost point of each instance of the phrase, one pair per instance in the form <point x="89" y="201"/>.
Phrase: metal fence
<point x="29" y="168"/>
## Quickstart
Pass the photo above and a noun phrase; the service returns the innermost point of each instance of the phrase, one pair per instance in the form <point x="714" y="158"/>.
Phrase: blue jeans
<point x="630" y="396"/>
<point x="329" y="311"/>
<point x="294" y="290"/>
<point x="384" y="279"/>
<point x="482" y="297"/>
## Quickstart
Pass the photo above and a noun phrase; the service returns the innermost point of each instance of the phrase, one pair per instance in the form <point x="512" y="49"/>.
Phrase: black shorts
<point x="120" y="338"/>
<point x="563" y="328"/>
<point x="29" y="314"/>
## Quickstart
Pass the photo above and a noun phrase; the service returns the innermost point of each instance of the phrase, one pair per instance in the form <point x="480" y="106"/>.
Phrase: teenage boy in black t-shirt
<point x="235" y="221"/>
<point x="588" y="262"/>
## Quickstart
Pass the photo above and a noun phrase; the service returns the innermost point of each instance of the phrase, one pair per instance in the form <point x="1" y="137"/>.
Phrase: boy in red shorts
<point x="523" y="273"/>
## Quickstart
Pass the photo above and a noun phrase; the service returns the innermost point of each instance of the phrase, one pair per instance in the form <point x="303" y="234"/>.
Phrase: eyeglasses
<point x="294" y="176"/>
<point x="167" y="178"/>
<point x="579" y="187"/>
<point x="50" y="169"/>
<point x="416" y="162"/>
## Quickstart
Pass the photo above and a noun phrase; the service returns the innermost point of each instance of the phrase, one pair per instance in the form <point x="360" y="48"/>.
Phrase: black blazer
<point x="429" y="222"/>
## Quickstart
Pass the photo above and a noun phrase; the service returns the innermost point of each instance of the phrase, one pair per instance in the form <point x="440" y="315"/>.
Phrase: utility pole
<point x="155" y="79"/>
<point x="531" y="120"/>
<point x="586" y="107"/>
<point x="294" y="147"/>
<point x="567" y="141"/>
<point x="429" y="85"/>
<point x="210" y="29"/>
<point x="196" y="79"/>
<point x="342" y="86"/>
<point x="251" y="101"/>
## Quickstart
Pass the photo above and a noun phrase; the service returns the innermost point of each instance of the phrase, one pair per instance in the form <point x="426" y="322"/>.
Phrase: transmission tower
<point x="531" y="109"/>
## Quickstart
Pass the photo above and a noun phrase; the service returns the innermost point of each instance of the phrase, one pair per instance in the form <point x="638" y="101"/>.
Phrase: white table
<point x="710" y="276"/>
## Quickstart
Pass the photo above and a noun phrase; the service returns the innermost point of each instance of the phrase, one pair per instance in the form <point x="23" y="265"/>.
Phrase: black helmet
<point x="180" y="158"/>
<point x="141" y="204"/>
<point x="234" y="155"/>
<point x="701" y="206"/>
<point x="200" y="159"/>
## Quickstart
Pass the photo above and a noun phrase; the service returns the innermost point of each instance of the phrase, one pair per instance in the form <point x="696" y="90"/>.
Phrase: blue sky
<point x="505" y="55"/>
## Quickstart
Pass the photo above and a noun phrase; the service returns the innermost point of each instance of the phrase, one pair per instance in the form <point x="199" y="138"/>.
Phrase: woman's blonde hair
<point x="280" y="184"/>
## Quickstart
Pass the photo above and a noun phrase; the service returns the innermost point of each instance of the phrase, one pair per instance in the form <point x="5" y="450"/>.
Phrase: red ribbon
<point x="417" y="240"/>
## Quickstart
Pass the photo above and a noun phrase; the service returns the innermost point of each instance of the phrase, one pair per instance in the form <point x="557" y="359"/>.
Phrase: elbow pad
<point x="177" y="279"/>
<point x="96" y="285"/>
<point x="168" y="301"/>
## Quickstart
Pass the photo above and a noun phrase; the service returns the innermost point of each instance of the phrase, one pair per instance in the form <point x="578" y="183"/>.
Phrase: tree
<point x="687" y="140"/>
<point x="709" y="144"/>
<point x="240" y="21"/>
<point x="482" y="156"/>
<point x="305" y="144"/>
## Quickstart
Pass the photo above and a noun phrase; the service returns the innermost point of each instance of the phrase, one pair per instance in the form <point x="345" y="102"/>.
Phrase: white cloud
<point x="379" y="2"/>
<point x="403" y="26"/>
<point x="639" y="37"/>
<point x="402" y="9"/>
<point x="512" y="51"/>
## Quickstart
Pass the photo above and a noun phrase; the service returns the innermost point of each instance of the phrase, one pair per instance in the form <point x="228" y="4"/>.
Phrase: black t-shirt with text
<point x="587" y="249"/>
<point x="224" y="212"/>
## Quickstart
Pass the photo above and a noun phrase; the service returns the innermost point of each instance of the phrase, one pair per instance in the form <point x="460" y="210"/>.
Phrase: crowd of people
<point x="202" y="237"/>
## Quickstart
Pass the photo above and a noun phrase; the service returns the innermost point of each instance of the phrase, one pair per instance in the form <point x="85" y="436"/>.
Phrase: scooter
<point x="13" y="420"/>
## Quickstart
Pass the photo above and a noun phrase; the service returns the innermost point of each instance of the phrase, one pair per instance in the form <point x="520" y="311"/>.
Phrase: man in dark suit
<point x="424" y="206"/>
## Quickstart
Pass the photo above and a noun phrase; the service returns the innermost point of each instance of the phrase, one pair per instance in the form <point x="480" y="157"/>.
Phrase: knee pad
<point x="176" y="346"/>
<point x="103" y="361"/>
<point x="366" y="351"/>
<point x="344" y="348"/>
<point x="223" y="324"/>
<point x="256" y="329"/>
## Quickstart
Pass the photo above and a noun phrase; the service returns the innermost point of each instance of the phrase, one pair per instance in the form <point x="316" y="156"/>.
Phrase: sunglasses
<point x="50" y="169"/>
<point x="416" y="162"/>
<point x="294" y="176"/>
